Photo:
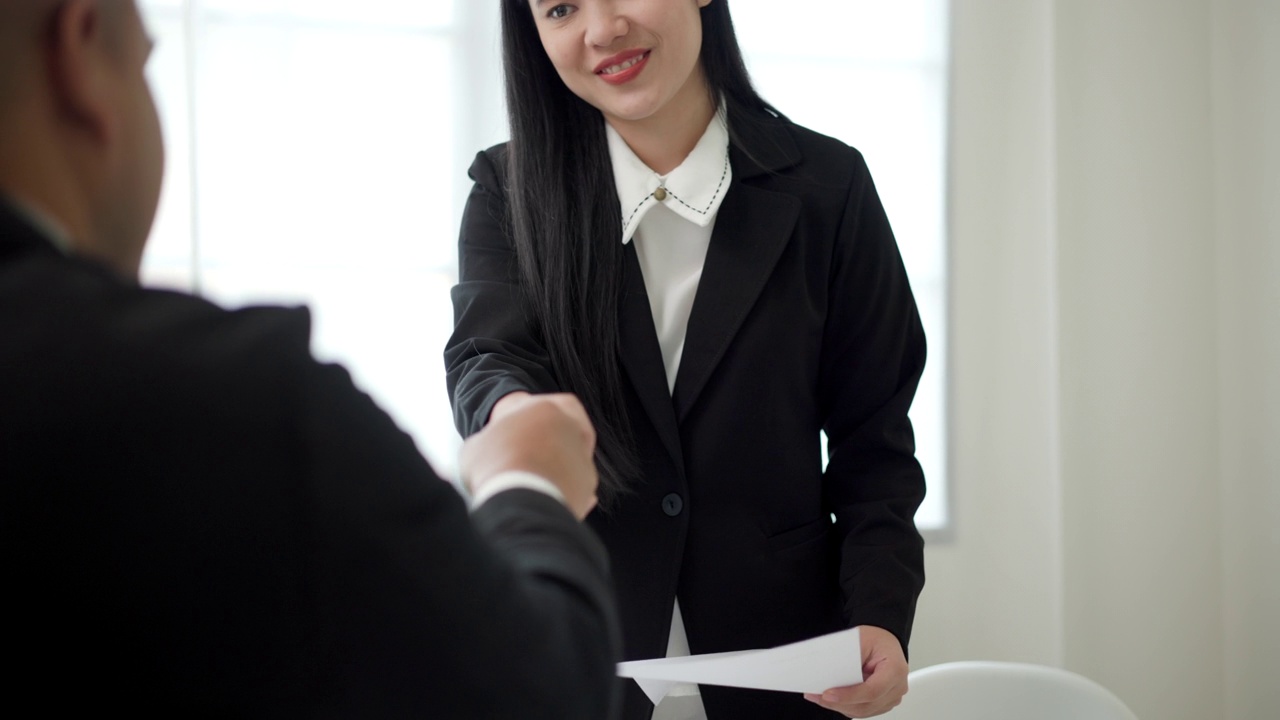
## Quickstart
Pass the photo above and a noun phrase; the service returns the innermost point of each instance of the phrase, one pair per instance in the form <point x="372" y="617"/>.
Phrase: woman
<point x="644" y="171"/>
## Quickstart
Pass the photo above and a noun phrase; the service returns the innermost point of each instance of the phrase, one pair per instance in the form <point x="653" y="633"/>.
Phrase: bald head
<point x="26" y="28"/>
<point x="21" y="26"/>
<point x="79" y="136"/>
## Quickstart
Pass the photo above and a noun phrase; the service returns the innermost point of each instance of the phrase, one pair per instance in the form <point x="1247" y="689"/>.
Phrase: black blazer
<point x="201" y="520"/>
<point x="803" y="321"/>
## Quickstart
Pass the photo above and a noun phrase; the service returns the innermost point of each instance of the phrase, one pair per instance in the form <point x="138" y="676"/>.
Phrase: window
<point x="311" y="161"/>
<point x="317" y="154"/>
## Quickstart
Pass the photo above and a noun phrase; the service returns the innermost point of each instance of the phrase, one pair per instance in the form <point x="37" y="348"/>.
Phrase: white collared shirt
<point x="670" y="219"/>
<point x="672" y="234"/>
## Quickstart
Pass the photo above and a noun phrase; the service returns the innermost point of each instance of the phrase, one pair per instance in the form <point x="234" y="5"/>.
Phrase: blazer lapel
<point x="752" y="229"/>
<point x="642" y="356"/>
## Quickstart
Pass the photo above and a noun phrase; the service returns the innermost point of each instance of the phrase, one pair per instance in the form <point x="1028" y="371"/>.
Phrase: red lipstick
<point x="635" y="60"/>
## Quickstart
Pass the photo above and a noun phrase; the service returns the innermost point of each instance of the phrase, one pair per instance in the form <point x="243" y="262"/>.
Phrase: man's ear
<point x="80" y="67"/>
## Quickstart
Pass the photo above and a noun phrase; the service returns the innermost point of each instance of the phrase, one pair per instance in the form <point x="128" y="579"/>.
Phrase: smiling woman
<point x="720" y="286"/>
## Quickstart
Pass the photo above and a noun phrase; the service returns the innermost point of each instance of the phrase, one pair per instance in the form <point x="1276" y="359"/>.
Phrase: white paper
<point x="809" y="666"/>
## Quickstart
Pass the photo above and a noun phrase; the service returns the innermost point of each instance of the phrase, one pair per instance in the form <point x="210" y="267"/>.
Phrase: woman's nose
<point x="605" y="25"/>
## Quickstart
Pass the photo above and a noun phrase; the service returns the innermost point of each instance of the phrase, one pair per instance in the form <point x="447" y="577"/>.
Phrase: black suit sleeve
<point x="873" y="356"/>
<point x="495" y="348"/>
<point x="426" y="611"/>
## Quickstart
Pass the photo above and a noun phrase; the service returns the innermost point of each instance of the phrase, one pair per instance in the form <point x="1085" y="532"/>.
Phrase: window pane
<point x="321" y="156"/>
<point x="405" y="14"/>
<point x="323" y="147"/>
<point x="872" y="31"/>
<point x="169" y="260"/>
<point x="320" y="153"/>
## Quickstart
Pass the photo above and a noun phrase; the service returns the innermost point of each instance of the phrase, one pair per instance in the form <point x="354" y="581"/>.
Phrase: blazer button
<point x="672" y="505"/>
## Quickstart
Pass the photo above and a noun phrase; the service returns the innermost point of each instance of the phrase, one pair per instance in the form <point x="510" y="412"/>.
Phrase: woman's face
<point x="632" y="60"/>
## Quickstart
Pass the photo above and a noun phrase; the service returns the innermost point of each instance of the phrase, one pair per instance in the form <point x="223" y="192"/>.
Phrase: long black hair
<point x="563" y="215"/>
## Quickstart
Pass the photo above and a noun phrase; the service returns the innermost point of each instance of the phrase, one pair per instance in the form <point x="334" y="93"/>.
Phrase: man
<point x="199" y="518"/>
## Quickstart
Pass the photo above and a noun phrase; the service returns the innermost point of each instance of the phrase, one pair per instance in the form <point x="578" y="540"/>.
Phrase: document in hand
<point x="809" y="666"/>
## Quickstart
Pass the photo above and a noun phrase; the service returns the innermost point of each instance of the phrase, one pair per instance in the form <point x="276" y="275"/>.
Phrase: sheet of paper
<point x="809" y="666"/>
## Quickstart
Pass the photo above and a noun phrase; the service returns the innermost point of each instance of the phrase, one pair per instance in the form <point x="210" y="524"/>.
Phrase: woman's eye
<point x="559" y="12"/>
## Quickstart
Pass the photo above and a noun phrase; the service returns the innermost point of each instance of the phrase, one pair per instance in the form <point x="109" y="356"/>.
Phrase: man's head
<point x="79" y="133"/>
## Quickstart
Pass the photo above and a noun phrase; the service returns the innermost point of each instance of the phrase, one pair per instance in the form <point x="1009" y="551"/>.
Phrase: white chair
<point x="1005" y="691"/>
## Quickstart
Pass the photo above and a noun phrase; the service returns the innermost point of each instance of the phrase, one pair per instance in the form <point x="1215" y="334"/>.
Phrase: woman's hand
<point x="884" y="672"/>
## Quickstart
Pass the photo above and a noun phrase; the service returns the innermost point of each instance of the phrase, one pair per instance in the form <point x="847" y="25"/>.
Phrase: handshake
<point x="548" y="435"/>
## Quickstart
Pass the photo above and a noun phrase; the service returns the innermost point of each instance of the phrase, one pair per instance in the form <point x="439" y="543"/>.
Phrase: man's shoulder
<point x="70" y="314"/>
<point x="201" y="333"/>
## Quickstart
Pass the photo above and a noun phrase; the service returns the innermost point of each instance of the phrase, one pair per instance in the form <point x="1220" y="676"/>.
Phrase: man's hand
<point x="884" y="672"/>
<point x="567" y="402"/>
<point x="547" y="435"/>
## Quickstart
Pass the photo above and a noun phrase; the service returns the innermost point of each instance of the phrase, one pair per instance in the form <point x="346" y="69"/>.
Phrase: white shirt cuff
<point x="512" y="480"/>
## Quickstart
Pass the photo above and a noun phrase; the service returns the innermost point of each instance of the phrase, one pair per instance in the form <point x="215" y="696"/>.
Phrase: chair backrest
<point x="976" y="690"/>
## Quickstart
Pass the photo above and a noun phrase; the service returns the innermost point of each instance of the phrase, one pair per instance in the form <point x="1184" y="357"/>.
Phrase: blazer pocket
<point x="798" y="536"/>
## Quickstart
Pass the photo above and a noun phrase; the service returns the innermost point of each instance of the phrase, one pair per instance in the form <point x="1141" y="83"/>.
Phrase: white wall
<point x="1116" y="325"/>
<point x="1247" y="175"/>
<point x="993" y="588"/>
<point x="1137" y="298"/>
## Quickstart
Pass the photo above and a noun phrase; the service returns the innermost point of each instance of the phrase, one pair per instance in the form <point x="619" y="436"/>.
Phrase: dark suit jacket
<point x="201" y="520"/>
<point x="803" y="321"/>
